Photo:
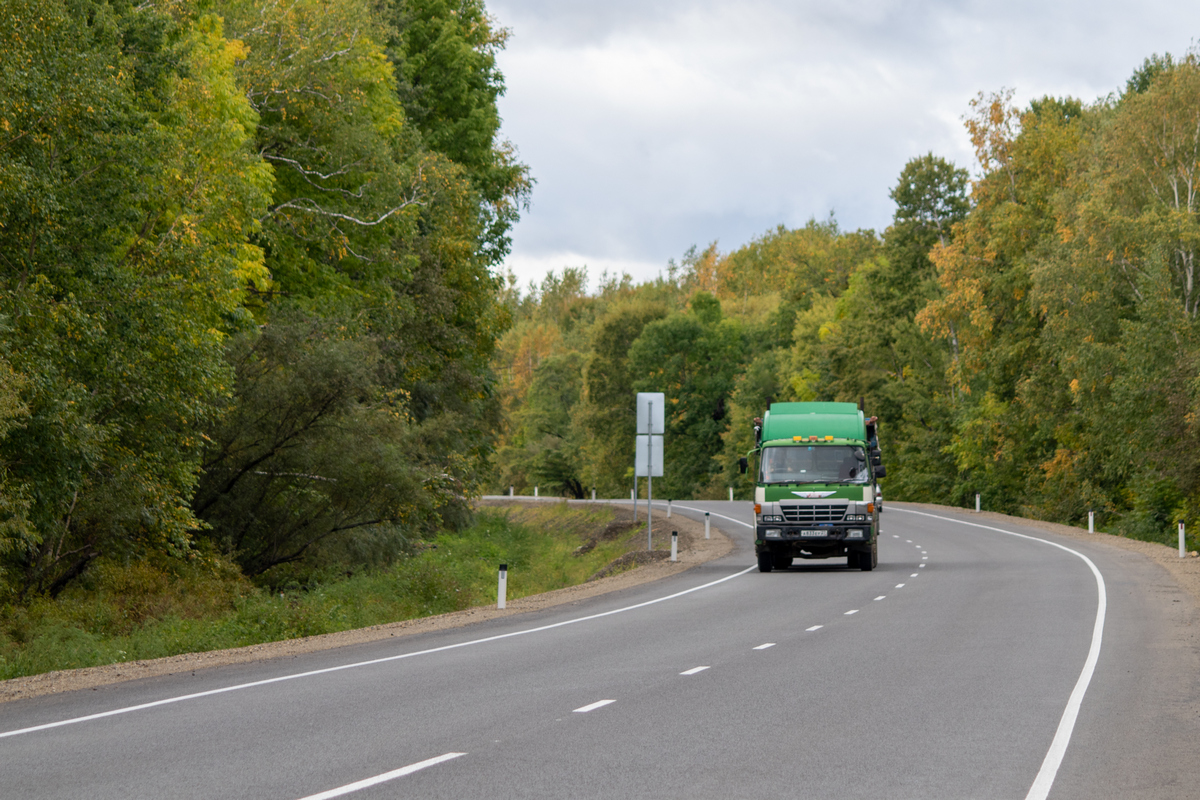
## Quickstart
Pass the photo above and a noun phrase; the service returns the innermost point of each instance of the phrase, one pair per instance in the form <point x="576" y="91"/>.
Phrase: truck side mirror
<point x="880" y="471"/>
<point x="876" y="458"/>
<point x="743" y="465"/>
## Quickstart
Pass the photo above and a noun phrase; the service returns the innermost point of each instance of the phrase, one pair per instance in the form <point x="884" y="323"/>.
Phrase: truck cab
<point x="816" y="489"/>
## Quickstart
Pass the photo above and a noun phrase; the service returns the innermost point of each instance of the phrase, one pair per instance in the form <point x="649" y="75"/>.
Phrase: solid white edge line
<point x="1066" y="725"/>
<point x="387" y="776"/>
<point x="592" y="706"/>
<point x="693" y="670"/>
<point x="355" y="665"/>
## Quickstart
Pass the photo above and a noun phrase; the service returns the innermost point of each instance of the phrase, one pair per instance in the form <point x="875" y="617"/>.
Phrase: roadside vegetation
<point x="259" y="356"/>
<point x="126" y="611"/>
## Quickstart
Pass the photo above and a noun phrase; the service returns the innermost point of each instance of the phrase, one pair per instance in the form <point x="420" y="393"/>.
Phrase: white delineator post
<point x="535" y="491"/>
<point x="674" y="545"/>
<point x="510" y="491"/>
<point x="1182" y="549"/>
<point x="731" y="494"/>
<point x="977" y="502"/>
<point x="707" y="522"/>
<point x="502" y="589"/>
<point x="669" y="508"/>
<point x="1091" y="521"/>
<point x="593" y="494"/>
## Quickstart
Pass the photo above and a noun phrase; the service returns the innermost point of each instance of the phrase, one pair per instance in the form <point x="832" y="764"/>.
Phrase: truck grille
<point x="823" y="512"/>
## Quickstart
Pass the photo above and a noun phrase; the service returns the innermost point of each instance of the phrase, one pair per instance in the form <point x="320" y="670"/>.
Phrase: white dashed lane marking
<point x="899" y="585"/>
<point x="693" y="670"/>
<point x="593" y="706"/>
<point x="378" y="779"/>
<point x="814" y="628"/>
<point x="765" y="646"/>
<point x="881" y="597"/>
<point x="851" y="611"/>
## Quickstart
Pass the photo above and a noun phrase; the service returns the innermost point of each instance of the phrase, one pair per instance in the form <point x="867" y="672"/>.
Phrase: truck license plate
<point x="814" y="533"/>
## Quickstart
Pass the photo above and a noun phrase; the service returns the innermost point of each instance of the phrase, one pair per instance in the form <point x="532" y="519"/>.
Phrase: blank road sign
<point x="650" y="412"/>
<point x="640" y="461"/>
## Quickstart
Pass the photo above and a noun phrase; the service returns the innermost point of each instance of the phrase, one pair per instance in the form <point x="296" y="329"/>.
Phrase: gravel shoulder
<point x="693" y="548"/>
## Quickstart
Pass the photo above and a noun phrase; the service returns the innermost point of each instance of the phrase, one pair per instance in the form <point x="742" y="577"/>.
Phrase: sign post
<point x="648" y="455"/>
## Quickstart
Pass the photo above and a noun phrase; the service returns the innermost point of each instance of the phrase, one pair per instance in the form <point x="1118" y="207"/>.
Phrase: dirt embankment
<point x="632" y="569"/>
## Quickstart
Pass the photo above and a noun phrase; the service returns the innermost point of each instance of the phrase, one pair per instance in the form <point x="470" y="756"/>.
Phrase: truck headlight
<point x="855" y="533"/>
<point x="772" y="518"/>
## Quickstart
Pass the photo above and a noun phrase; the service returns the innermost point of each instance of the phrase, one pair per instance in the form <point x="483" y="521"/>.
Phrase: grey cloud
<point x="651" y="127"/>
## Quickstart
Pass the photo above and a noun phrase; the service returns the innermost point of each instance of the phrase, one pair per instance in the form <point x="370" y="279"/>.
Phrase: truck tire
<point x="765" y="562"/>
<point x="782" y="560"/>
<point x="869" y="560"/>
<point x="852" y="559"/>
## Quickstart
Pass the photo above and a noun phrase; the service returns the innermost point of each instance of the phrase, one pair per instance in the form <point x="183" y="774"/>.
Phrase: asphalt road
<point x="945" y="673"/>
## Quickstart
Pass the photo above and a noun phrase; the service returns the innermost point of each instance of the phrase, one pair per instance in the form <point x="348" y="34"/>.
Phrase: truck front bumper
<point x="789" y="537"/>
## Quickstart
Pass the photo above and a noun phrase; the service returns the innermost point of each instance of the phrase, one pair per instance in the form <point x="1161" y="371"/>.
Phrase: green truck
<point x="816" y="494"/>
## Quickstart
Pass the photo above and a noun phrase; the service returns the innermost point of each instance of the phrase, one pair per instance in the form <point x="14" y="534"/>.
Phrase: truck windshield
<point x="812" y="464"/>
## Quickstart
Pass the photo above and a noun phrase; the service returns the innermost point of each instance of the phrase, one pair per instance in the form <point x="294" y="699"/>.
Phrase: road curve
<point x="945" y="673"/>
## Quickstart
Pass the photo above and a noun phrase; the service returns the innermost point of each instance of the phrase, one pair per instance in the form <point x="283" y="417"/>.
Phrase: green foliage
<point x="445" y="53"/>
<point x="694" y="358"/>
<point x="125" y="611"/>
<point x="129" y="191"/>
<point x="240" y="290"/>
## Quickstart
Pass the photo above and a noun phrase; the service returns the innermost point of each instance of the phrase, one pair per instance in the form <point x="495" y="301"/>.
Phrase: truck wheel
<point x="782" y="560"/>
<point x="867" y="561"/>
<point x="765" y="562"/>
<point x="852" y="559"/>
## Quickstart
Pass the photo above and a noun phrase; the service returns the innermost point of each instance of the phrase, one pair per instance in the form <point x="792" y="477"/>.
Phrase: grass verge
<point x="143" y="609"/>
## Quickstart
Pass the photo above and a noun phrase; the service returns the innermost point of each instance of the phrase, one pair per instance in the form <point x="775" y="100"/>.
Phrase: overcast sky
<point x="653" y="126"/>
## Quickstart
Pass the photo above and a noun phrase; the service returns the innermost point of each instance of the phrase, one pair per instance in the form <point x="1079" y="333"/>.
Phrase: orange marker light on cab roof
<point x="812" y="438"/>
<point x="829" y="438"/>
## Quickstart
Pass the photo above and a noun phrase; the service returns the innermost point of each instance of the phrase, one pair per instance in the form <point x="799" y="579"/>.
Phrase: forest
<point x="248" y="292"/>
<point x="254" y="314"/>
<point x="1026" y="332"/>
